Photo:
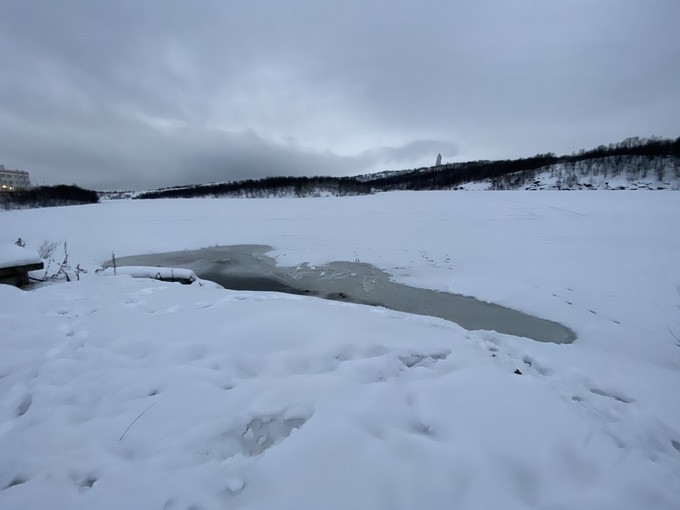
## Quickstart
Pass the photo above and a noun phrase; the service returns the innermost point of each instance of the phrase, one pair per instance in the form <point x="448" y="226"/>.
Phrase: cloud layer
<point x="129" y="94"/>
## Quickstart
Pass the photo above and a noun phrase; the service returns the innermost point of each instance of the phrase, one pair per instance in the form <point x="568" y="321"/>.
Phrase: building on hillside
<point x="14" y="180"/>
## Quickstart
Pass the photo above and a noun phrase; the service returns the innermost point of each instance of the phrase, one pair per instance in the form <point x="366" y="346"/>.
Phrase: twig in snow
<point x="133" y="421"/>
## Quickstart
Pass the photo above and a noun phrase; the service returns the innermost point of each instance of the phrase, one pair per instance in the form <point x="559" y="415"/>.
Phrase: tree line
<point x="267" y="187"/>
<point x="47" y="196"/>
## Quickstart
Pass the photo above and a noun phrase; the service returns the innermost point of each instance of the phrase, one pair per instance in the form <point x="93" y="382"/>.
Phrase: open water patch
<point x="247" y="267"/>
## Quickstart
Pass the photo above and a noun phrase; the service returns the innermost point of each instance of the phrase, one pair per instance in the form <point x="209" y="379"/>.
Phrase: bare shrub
<point x="46" y="249"/>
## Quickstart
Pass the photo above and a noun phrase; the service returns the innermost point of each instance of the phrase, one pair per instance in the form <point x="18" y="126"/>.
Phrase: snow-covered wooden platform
<point x="16" y="262"/>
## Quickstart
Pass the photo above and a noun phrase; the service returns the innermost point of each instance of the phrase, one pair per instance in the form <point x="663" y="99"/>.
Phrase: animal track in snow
<point x="590" y="310"/>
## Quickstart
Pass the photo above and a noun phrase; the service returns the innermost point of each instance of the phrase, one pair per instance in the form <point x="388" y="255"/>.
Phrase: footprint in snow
<point x="85" y="482"/>
<point x="67" y="330"/>
<point x="235" y="485"/>
<point x="24" y="405"/>
<point x="536" y="366"/>
<point x="618" y="397"/>
<point x="17" y="480"/>
<point x="423" y="429"/>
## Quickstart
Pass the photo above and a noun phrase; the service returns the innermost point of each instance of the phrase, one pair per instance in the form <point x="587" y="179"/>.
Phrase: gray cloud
<point x="129" y="94"/>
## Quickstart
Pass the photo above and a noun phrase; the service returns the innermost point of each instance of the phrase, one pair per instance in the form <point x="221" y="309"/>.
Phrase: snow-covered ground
<point x="127" y="393"/>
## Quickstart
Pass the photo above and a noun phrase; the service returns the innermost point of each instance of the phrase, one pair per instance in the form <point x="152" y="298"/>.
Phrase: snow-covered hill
<point x="610" y="173"/>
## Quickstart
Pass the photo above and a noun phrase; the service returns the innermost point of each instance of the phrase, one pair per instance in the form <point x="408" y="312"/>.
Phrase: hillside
<point x="631" y="164"/>
<point x="608" y="173"/>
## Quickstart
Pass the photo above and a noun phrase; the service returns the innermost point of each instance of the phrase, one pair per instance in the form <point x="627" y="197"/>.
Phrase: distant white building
<point x="439" y="160"/>
<point x="14" y="180"/>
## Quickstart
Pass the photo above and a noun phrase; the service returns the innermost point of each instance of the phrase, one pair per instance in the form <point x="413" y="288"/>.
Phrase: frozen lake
<point x="247" y="267"/>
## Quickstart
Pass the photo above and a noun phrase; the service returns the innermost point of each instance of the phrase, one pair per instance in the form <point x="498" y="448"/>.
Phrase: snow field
<point x="263" y="400"/>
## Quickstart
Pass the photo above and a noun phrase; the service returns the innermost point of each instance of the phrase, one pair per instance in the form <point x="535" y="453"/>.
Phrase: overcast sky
<point x="134" y="94"/>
